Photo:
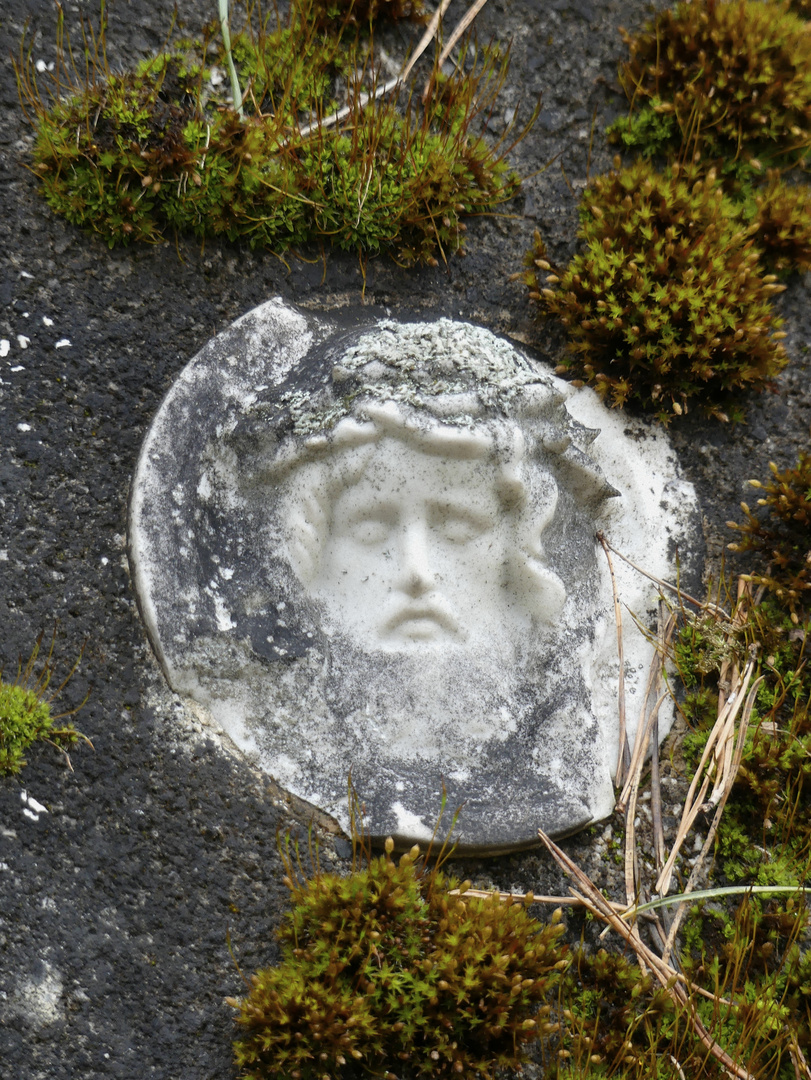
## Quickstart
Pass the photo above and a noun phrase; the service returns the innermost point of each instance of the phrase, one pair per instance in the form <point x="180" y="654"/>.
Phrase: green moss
<point x="387" y="969"/>
<point x="727" y="85"/>
<point x="749" y="960"/>
<point x="617" y="1019"/>
<point x="755" y="956"/>
<point x="291" y="69"/>
<point x="651" y="130"/>
<point x="782" y="214"/>
<point x="781" y="535"/>
<point x="665" y="302"/>
<point x="26" y="717"/>
<point x="139" y="155"/>
<point x="735" y="76"/>
<point x="764" y="836"/>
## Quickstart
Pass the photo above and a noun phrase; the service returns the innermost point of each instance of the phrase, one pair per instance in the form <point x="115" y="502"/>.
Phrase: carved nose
<point x="416" y="576"/>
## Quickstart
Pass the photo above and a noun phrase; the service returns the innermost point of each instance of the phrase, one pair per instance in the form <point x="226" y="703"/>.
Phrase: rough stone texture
<point x="373" y="552"/>
<point x="116" y="903"/>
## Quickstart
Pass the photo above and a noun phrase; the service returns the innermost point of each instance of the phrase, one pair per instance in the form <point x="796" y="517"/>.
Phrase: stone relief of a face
<point x="419" y="550"/>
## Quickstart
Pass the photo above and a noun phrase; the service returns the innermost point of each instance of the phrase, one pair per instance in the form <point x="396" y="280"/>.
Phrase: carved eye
<point x="461" y="528"/>
<point x="370" y="531"/>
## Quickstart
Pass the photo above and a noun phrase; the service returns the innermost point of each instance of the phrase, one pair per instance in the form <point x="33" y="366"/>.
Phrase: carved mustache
<point x="434" y="611"/>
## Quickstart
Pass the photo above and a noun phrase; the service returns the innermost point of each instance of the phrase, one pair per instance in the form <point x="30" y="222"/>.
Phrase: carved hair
<point x="530" y="439"/>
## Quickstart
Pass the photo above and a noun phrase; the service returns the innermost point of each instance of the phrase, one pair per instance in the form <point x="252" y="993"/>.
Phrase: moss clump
<point x="752" y="957"/>
<point x="26" y="717"/>
<point x="782" y="537"/>
<point x="736" y="77"/>
<point x="717" y="84"/>
<point x="653" y="131"/>
<point x="783" y="218"/>
<point x="286" y="73"/>
<point x="384" y="968"/>
<point x="666" y="301"/>
<point x="137" y="156"/>
<point x="616" y="1016"/>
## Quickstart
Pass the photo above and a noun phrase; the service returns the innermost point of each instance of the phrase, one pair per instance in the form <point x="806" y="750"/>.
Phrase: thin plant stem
<point x="714" y="894"/>
<point x="663" y="584"/>
<point x="458" y="30"/>
<point x="667" y="975"/>
<point x="655" y="778"/>
<point x="710" y="839"/>
<point x="232" y="71"/>
<point x="388" y="87"/>
<point x="623" y="755"/>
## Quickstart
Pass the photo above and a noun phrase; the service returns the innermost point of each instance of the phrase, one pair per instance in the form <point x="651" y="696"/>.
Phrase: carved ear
<point x="306" y="525"/>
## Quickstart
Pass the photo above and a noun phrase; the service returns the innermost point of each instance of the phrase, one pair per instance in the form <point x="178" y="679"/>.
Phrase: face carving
<point x="416" y="550"/>
<point x="415" y="543"/>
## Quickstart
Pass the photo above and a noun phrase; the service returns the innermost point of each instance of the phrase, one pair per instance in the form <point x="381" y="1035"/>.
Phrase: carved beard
<point x="430" y="705"/>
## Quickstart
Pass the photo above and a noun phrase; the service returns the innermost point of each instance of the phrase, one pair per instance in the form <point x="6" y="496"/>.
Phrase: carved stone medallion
<point x="372" y="549"/>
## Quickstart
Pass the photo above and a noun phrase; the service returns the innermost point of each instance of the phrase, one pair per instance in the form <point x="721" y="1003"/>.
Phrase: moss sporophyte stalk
<point x="144" y="154"/>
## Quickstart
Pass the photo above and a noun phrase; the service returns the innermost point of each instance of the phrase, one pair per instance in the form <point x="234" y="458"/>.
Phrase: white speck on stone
<point x="460" y="775"/>
<point x="226" y="573"/>
<point x="37" y="998"/>
<point x="18" y="367"/>
<point x="25" y="274"/>
<point x="5" y="346"/>
<point x="409" y="824"/>
<point x="4" y="866"/>
<point x="104" y="560"/>
<point x="23" y="341"/>
<point x="63" y="343"/>
<point x="223" y="615"/>
<point x="23" y="427"/>
<point x="32" y="803"/>
<point x="3" y="554"/>
<point x="46" y="321"/>
<point x="29" y="814"/>
<point x="216" y="78"/>
<point x="41" y="67"/>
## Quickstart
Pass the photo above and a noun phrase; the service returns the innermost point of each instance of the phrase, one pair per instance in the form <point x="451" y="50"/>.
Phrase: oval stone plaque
<point x="371" y="548"/>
